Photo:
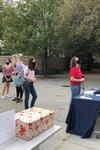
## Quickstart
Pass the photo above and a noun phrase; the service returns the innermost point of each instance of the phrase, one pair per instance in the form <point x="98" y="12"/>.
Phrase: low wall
<point x="54" y="64"/>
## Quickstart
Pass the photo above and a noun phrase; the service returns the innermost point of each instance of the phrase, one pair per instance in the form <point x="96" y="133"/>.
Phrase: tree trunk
<point x="45" y="62"/>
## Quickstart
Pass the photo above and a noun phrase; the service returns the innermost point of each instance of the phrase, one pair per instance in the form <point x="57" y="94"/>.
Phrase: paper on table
<point x="90" y="92"/>
<point x="7" y="126"/>
<point x="85" y="97"/>
<point x="97" y="94"/>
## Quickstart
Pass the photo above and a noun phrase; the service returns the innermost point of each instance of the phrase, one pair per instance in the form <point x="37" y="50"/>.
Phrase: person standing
<point x="7" y="78"/>
<point x="18" y="69"/>
<point x="76" y="76"/>
<point x="30" y="79"/>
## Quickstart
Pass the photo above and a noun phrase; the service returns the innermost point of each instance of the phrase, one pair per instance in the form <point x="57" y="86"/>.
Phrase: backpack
<point x="19" y="80"/>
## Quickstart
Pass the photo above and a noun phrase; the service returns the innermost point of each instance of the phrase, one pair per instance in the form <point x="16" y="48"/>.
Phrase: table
<point x="82" y="115"/>
<point x="20" y="144"/>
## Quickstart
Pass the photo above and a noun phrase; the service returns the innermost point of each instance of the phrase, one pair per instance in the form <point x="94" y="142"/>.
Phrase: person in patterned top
<point x="7" y="78"/>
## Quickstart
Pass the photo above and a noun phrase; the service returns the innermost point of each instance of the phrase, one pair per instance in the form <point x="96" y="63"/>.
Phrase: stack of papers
<point x="89" y="93"/>
<point x="97" y="94"/>
<point x="85" y="97"/>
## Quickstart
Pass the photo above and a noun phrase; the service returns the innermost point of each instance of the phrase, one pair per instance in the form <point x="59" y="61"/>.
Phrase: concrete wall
<point x="56" y="65"/>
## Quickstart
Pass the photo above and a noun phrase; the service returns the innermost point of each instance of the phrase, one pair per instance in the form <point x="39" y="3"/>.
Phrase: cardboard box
<point x="33" y="121"/>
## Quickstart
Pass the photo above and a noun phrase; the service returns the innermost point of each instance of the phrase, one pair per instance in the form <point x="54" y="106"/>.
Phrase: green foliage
<point x="58" y="27"/>
<point x="1" y="18"/>
<point x="82" y="21"/>
<point x="32" y="25"/>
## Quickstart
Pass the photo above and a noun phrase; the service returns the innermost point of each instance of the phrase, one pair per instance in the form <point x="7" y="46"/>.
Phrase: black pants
<point x="19" y="92"/>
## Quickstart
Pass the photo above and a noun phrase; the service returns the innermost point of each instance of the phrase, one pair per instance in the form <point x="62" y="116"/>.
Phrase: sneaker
<point x="3" y="97"/>
<point x="8" y="96"/>
<point x="15" y="99"/>
<point x="18" y="101"/>
<point x="21" y="99"/>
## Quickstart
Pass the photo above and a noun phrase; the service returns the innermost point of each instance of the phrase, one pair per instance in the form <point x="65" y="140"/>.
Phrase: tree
<point x="82" y="21"/>
<point x="1" y="24"/>
<point x="33" y="27"/>
<point x="1" y="17"/>
<point x="52" y="27"/>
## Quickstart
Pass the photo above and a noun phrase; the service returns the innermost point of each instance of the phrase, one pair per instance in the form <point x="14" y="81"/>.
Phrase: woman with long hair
<point x="30" y="79"/>
<point x="18" y="68"/>
<point x="76" y="76"/>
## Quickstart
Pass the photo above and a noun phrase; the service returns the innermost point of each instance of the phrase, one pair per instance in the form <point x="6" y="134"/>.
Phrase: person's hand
<point x="34" y="80"/>
<point x="13" y="73"/>
<point x="82" y="80"/>
<point x="8" y="79"/>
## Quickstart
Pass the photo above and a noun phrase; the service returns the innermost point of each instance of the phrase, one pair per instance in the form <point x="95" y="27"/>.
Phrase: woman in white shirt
<point x="30" y="79"/>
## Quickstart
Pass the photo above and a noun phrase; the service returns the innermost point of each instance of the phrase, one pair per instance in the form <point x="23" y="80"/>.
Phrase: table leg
<point x="98" y="134"/>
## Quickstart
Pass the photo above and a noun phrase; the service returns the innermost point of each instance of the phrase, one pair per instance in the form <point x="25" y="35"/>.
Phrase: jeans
<point x="29" y="89"/>
<point x="75" y="90"/>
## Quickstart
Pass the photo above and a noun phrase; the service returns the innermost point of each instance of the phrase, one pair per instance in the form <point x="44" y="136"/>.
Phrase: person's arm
<point x="3" y="72"/>
<point x="34" y="78"/>
<point x="72" y="78"/>
<point x="26" y="72"/>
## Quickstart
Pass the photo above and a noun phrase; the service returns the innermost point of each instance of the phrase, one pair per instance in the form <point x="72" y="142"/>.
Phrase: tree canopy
<point x="51" y="27"/>
<point x="31" y="25"/>
<point x="82" y="19"/>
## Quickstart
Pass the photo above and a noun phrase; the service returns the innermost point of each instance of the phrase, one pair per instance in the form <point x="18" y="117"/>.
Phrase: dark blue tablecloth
<point x="82" y="115"/>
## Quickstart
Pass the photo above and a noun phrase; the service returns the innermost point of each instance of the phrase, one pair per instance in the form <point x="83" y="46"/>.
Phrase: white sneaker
<point x="8" y="96"/>
<point x="3" y="97"/>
